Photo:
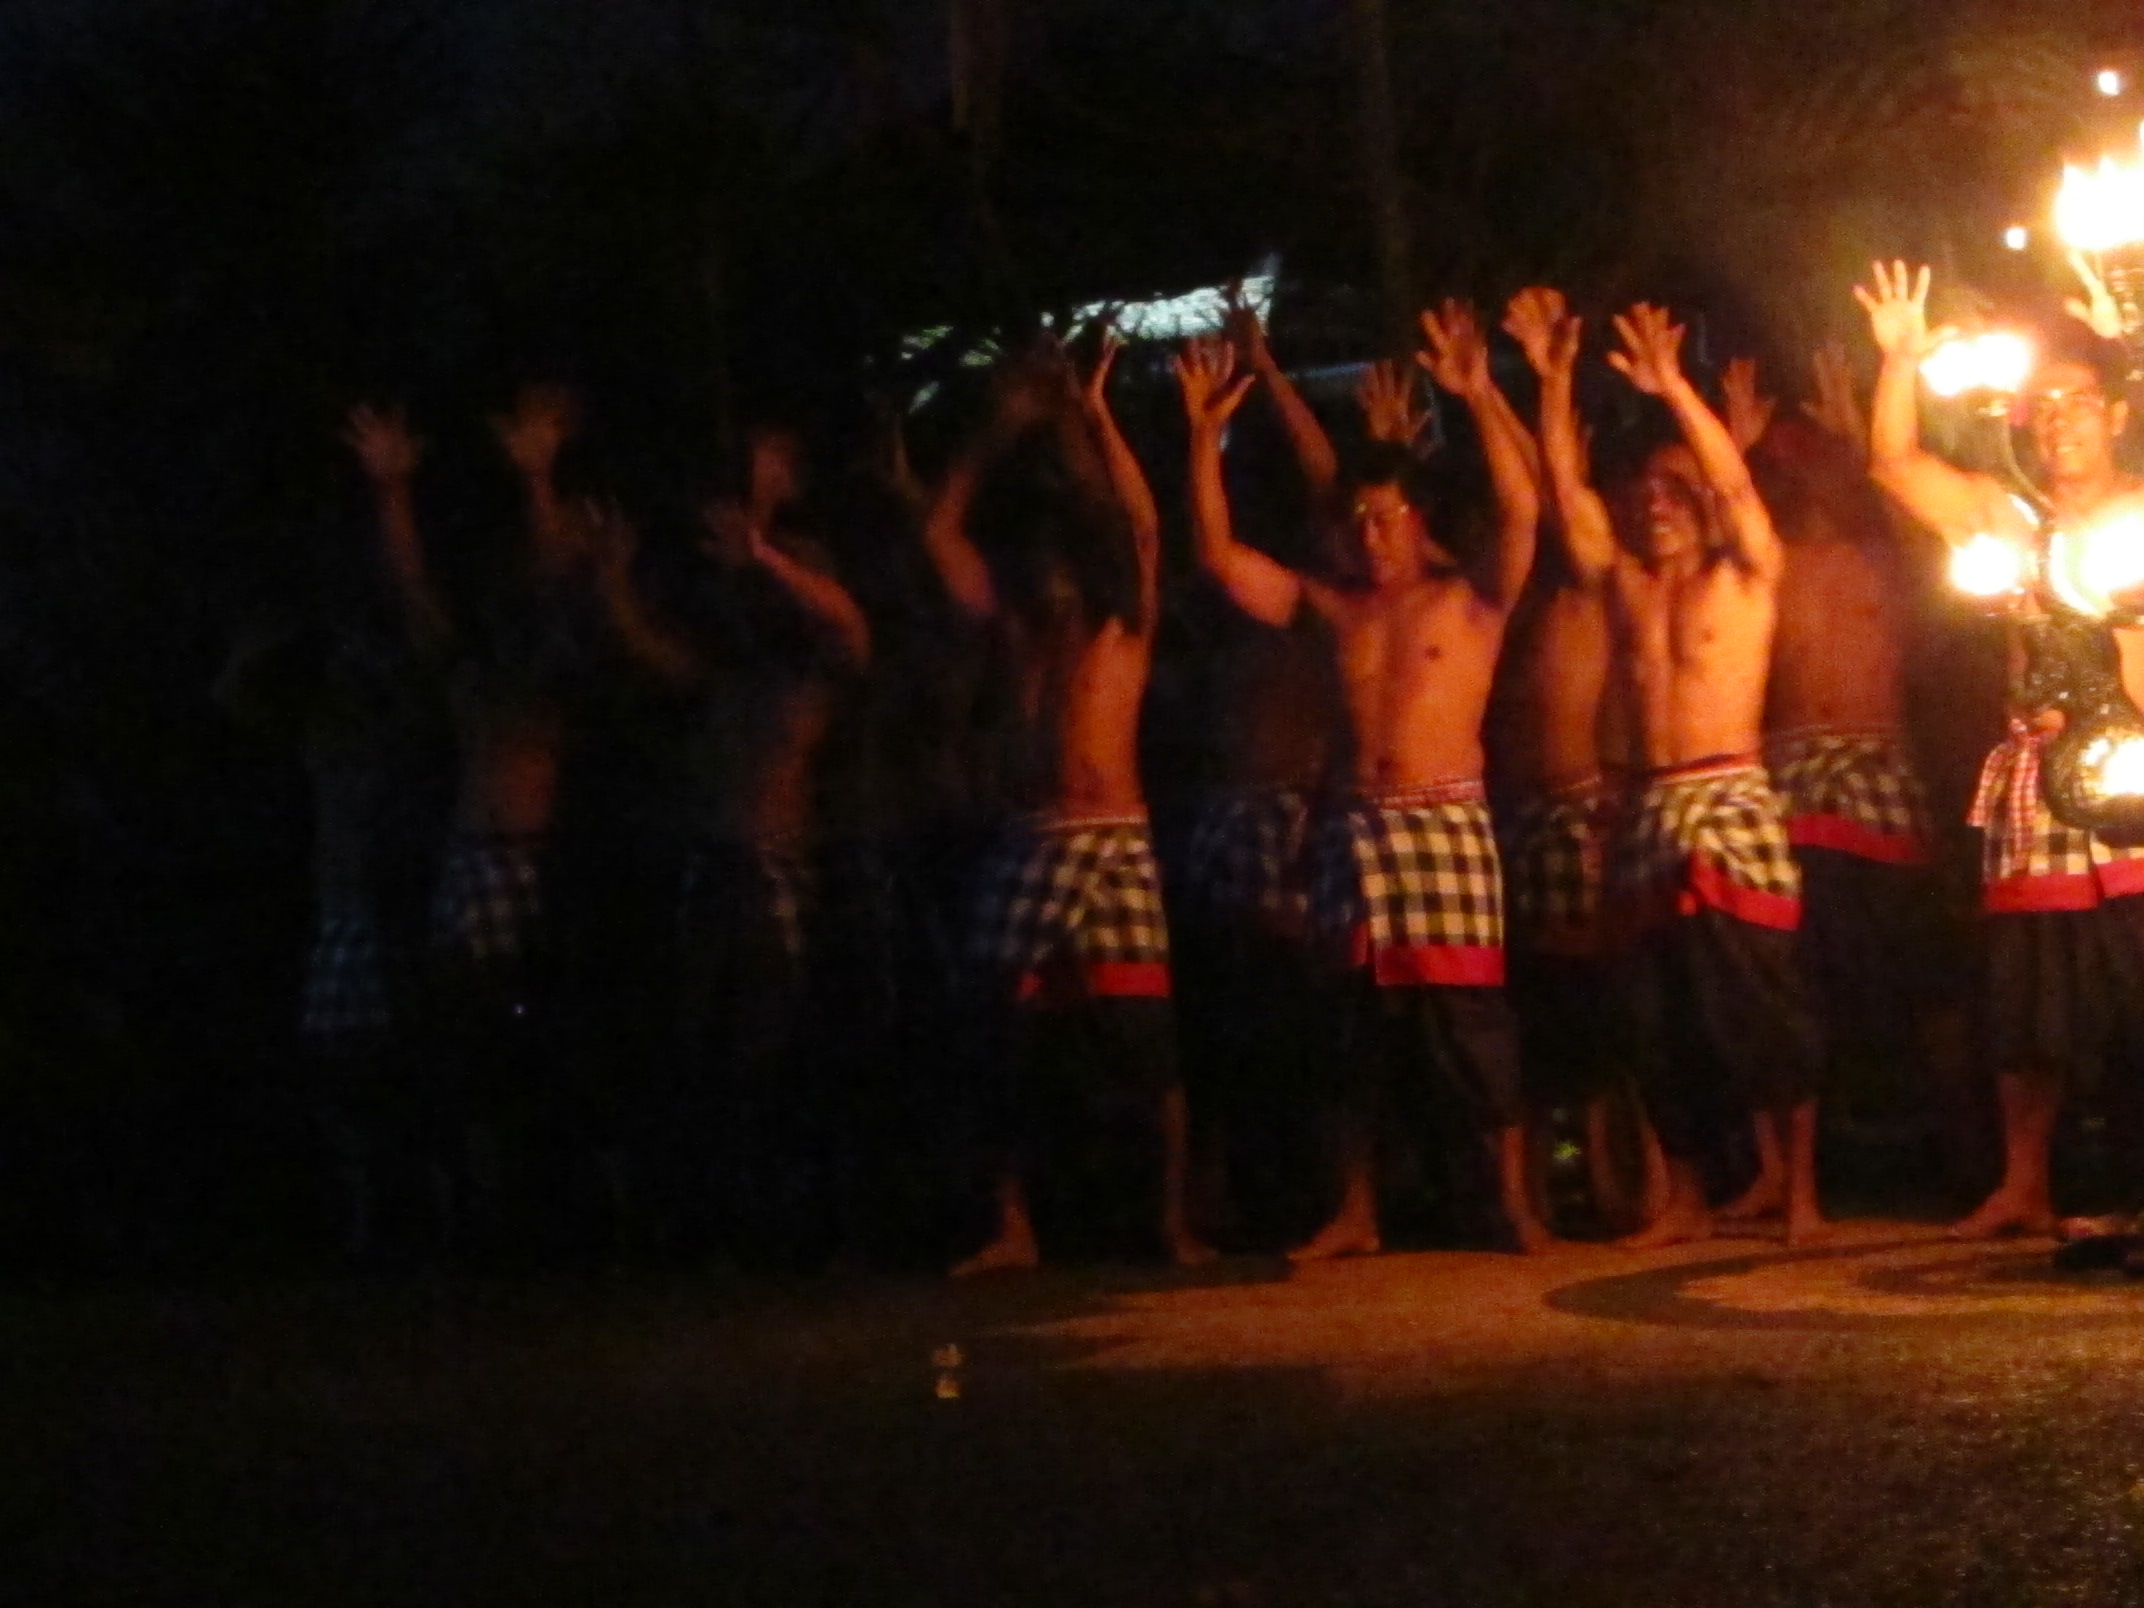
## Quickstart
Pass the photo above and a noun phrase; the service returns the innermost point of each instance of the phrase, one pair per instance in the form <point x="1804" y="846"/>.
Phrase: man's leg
<point x="1007" y="1063"/>
<point x="1140" y="1035"/>
<point x="1352" y="1230"/>
<point x="2023" y="1202"/>
<point x="1767" y="1193"/>
<point x="1475" y="1039"/>
<point x="1655" y="993"/>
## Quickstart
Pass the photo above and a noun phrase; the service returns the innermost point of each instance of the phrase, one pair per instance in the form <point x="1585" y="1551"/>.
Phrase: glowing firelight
<point x="2091" y="569"/>
<point x="1997" y="361"/>
<point x="2114" y="766"/>
<point x="2101" y="209"/>
<point x="2109" y="81"/>
<point x="1988" y="566"/>
<point x="2017" y="237"/>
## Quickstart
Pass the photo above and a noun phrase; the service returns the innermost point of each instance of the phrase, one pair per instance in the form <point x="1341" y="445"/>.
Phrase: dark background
<point x="225" y="222"/>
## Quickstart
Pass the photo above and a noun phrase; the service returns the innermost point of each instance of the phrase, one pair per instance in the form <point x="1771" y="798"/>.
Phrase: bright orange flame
<point x="2090" y="568"/>
<point x="2102" y="209"/>
<point x="1998" y="360"/>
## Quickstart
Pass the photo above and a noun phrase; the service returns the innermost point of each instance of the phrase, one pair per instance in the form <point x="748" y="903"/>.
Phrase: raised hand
<point x="1030" y="386"/>
<point x="1898" y="312"/>
<point x="1536" y="319"/>
<point x="1458" y="357"/>
<point x="1094" y="390"/>
<point x="2097" y="311"/>
<point x="382" y="441"/>
<point x="777" y="471"/>
<point x="1386" y="397"/>
<point x="1651" y="358"/>
<point x="1248" y="331"/>
<point x="543" y="419"/>
<point x="1837" y="408"/>
<point x="609" y="538"/>
<point x="1213" y="390"/>
<point x="1749" y="415"/>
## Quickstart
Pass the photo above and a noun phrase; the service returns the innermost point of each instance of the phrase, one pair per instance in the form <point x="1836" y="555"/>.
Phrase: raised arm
<point x="1954" y="504"/>
<point x="542" y="421"/>
<point x="1021" y="398"/>
<point x="1458" y="360"/>
<point x="1126" y="478"/>
<point x="824" y="598"/>
<point x="1262" y="588"/>
<point x="1836" y="407"/>
<point x="389" y="455"/>
<point x="1550" y="339"/>
<point x="612" y="541"/>
<point x="1651" y="360"/>
<point x="1314" y="454"/>
<point x="1747" y="411"/>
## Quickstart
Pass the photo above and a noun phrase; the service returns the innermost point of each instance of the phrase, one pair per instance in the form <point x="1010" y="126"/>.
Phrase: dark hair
<point x="2072" y="342"/>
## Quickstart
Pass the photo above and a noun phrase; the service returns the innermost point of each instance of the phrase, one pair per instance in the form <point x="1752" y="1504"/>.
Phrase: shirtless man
<point x="357" y="695"/>
<point x="1246" y="993"/>
<point x="1407" y="889"/>
<point x="1701" y="878"/>
<point x="2063" y="926"/>
<point x="1554" y="837"/>
<point x="516" y="664"/>
<point x="766" y="683"/>
<point x="1069" y="931"/>
<point x="1835" y="740"/>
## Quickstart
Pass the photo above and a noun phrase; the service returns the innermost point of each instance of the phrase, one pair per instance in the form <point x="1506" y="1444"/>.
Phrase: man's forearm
<point x="1895" y="416"/>
<point x="1314" y="454"/>
<point x="1580" y="519"/>
<point x="424" y="614"/>
<point x="826" y="600"/>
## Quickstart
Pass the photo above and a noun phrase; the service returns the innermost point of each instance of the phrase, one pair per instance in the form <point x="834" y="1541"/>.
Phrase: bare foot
<point x="1533" y="1239"/>
<point x="1008" y="1253"/>
<point x="1342" y="1236"/>
<point x="1767" y="1197"/>
<point x="2003" y="1214"/>
<point x="1806" y="1228"/>
<point x="1188" y="1250"/>
<point x="1670" y="1228"/>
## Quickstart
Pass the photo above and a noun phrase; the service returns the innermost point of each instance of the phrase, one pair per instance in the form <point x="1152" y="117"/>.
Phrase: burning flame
<point x="2090" y="568"/>
<point x="2115" y="766"/>
<point x="2103" y="209"/>
<point x="1988" y="566"/>
<point x="1998" y="360"/>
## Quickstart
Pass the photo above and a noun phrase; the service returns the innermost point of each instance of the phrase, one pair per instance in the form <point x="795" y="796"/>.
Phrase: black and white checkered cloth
<point x="2028" y="859"/>
<point x="1555" y="854"/>
<point x="1405" y="872"/>
<point x="788" y="878"/>
<point x="1085" y="888"/>
<point x="489" y="904"/>
<point x="355" y="982"/>
<point x="1845" y="788"/>
<point x="1245" y="857"/>
<point x="1712" y="834"/>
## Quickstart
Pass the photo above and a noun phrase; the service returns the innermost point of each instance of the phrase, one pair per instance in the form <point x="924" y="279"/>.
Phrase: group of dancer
<point x="1593" y="793"/>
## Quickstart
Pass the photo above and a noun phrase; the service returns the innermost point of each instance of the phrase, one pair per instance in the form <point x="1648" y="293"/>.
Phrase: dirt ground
<point x="1891" y="1419"/>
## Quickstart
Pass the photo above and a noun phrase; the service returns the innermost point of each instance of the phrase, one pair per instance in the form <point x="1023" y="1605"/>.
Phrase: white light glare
<point x="2017" y="237"/>
<point x="2109" y="81"/>
<point x="1987" y="566"/>
<point x="2115" y="766"/>
<point x="1996" y="361"/>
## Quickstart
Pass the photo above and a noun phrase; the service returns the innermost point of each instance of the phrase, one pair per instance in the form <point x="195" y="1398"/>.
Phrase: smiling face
<point x="2074" y="425"/>
<point x="1664" y="507"/>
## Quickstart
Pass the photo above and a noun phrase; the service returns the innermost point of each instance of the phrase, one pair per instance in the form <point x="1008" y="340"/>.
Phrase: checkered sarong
<point x="1074" y="893"/>
<point x="489" y="904"/>
<point x="1245" y="857"/>
<point x="354" y="979"/>
<point x="1853" y="791"/>
<point x="1711" y="834"/>
<point x="1408" y="884"/>
<point x="1555" y="853"/>
<point x="2028" y="859"/>
<point x="789" y="886"/>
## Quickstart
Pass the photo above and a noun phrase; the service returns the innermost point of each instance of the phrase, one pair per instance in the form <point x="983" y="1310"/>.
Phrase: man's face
<point x="2074" y="425"/>
<point x="1666" y="508"/>
<point x="1393" y="534"/>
